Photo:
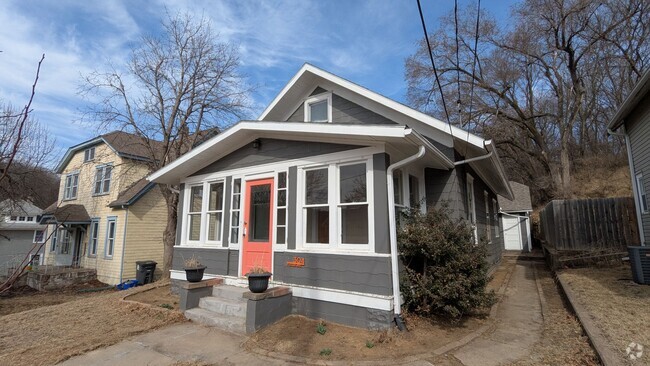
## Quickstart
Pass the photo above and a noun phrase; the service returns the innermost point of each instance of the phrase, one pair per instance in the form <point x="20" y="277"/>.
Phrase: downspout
<point x="126" y="221"/>
<point x="392" y="228"/>
<point x="457" y="163"/>
<point x="635" y="189"/>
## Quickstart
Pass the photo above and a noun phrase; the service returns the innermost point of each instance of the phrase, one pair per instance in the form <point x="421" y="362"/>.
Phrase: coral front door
<point x="258" y="225"/>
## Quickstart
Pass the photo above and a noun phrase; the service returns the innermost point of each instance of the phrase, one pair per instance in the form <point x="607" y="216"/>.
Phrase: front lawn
<point x="617" y="305"/>
<point x="51" y="334"/>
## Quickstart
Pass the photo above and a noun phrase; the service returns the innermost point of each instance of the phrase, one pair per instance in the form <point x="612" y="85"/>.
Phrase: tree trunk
<point x="169" y="235"/>
<point x="565" y="168"/>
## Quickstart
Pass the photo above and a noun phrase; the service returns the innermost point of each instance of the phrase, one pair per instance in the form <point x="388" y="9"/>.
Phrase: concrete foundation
<point x="191" y="292"/>
<point x="267" y="308"/>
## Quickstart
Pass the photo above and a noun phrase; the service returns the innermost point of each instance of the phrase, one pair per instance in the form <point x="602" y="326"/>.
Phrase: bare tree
<point x="176" y="90"/>
<point x="546" y="86"/>
<point x="25" y="150"/>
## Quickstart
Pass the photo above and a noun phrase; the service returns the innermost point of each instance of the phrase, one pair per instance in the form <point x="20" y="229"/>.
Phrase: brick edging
<point x="607" y="355"/>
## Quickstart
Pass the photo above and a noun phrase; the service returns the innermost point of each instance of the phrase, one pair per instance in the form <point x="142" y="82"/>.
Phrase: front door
<point x="76" y="253"/>
<point x="258" y="225"/>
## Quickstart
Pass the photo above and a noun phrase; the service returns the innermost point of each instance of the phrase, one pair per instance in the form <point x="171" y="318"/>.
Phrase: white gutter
<point x="474" y="159"/>
<point x="635" y="189"/>
<point x="392" y="227"/>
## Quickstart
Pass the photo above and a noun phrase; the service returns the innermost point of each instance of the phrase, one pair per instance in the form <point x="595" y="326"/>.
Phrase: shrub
<point x="445" y="273"/>
<point x="321" y="328"/>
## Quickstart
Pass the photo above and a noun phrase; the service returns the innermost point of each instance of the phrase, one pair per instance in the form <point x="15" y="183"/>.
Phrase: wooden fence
<point x="590" y="224"/>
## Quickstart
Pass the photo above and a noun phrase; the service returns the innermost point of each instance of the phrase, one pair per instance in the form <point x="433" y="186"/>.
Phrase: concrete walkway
<point x="519" y="324"/>
<point x="517" y="328"/>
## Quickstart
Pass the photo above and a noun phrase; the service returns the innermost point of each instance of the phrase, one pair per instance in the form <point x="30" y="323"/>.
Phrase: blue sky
<point x="363" y="41"/>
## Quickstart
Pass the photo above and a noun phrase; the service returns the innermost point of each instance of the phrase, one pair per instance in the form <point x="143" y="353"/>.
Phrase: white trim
<point x="471" y="206"/>
<point x="344" y="252"/>
<point x="641" y="194"/>
<point x="327" y="96"/>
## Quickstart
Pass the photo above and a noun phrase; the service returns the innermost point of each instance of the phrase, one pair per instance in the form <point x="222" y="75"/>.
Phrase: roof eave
<point x="641" y="88"/>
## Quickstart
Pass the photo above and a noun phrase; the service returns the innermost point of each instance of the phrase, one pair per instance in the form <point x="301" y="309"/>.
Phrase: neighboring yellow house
<point x="111" y="215"/>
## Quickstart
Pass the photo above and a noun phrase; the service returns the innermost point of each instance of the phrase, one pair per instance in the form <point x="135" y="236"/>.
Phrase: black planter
<point x="258" y="282"/>
<point x="194" y="274"/>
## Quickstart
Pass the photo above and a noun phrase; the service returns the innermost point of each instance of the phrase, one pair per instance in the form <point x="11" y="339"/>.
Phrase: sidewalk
<point x="517" y="328"/>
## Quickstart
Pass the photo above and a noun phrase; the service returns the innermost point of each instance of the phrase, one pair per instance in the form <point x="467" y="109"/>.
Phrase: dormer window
<point x="319" y="108"/>
<point x="89" y="154"/>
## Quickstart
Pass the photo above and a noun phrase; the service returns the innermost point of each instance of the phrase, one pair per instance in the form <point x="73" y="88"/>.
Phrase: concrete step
<point x="206" y="317"/>
<point x="224" y="306"/>
<point x="229" y="292"/>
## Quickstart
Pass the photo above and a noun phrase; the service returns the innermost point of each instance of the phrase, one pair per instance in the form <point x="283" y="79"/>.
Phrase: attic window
<point x="319" y="108"/>
<point x="89" y="154"/>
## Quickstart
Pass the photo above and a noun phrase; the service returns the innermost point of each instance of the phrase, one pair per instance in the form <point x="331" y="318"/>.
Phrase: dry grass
<point x="159" y="296"/>
<point x="563" y="341"/>
<point x="598" y="179"/>
<point x="618" y="306"/>
<point x="51" y="334"/>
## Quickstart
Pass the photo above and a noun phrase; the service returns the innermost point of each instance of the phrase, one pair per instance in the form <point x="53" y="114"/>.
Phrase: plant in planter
<point x="193" y="269"/>
<point x="258" y="279"/>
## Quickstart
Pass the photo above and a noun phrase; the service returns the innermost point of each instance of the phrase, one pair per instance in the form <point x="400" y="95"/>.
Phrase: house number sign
<point x="296" y="262"/>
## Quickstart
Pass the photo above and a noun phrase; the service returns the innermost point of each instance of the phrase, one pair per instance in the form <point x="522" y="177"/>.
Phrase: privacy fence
<point x="607" y="224"/>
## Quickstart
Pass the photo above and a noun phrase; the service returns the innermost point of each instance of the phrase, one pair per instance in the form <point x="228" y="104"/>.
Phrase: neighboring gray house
<point x="514" y="216"/>
<point x="310" y="191"/>
<point x="20" y="232"/>
<point x="632" y="120"/>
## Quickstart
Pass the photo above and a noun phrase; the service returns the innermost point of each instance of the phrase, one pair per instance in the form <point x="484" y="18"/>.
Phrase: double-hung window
<point x="353" y="204"/>
<point x="281" y="210"/>
<point x="64" y="238"/>
<point x="39" y="236"/>
<point x="316" y="208"/>
<point x="215" y="211"/>
<point x="194" y="213"/>
<point x="641" y="195"/>
<point x="89" y="154"/>
<point x="53" y="240"/>
<point x="495" y="211"/>
<point x="103" y="179"/>
<point x="71" y="186"/>
<point x="488" y="223"/>
<point x="414" y="192"/>
<point x="109" y="245"/>
<point x="235" y="211"/>
<point x="94" y="235"/>
<point x="398" y="193"/>
<point x="319" y="108"/>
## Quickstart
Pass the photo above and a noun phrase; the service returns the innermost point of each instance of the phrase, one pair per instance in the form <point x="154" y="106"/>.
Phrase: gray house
<point x="514" y="216"/>
<point x="20" y="233"/>
<point x="632" y="120"/>
<point x="310" y="192"/>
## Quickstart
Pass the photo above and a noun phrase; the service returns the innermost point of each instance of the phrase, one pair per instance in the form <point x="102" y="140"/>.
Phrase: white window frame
<point x="205" y="211"/>
<point x="339" y="206"/>
<point x="44" y="231"/>
<point x="188" y="213"/>
<point x="317" y="99"/>
<point x="93" y="238"/>
<point x="89" y="154"/>
<point x="642" y="198"/>
<point x="278" y="207"/>
<point x="488" y="222"/>
<point x="497" y="226"/>
<point x="71" y="191"/>
<point x="471" y="206"/>
<point x="110" y="236"/>
<point x="231" y="243"/>
<point x="333" y="198"/>
<point x="53" y="239"/>
<point x="103" y="180"/>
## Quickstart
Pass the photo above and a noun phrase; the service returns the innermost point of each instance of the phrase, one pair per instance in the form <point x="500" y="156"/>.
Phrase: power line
<point x="473" y="81"/>
<point x="458" y="101"/>
<point x="433" y="64"/>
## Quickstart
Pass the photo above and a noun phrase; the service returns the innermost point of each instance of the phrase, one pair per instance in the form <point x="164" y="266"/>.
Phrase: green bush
<point x="445" y="273"/>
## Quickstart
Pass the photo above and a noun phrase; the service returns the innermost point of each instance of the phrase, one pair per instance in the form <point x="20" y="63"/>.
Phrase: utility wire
<point x="433" y="64"/>
<point x="458" y="101"/>
<point x="473" y="81"/>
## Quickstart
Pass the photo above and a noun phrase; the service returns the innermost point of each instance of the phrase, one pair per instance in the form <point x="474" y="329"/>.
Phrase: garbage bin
<point x="144" y="271"/>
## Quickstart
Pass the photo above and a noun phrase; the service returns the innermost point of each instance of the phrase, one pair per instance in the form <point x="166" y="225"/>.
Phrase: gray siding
<point x="272" y="151"/>
<point x="223" y="262"/>
<point x="345" y="111"/>
<point x="638" y="128"/>
<point x="15" y="244"/>
<point x="448" y="188"/>
<point x="380" y="163"/>
<point x="363" y="274"/>
<point x="354" y="316"/>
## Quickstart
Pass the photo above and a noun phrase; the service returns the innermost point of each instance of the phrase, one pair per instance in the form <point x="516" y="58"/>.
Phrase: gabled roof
<point x="471" y="145"/>
<point x="247" y="131"/>
<point x="124" y="144"/>
<point x="131" y="195"/>
<point x="521" y="202"/>
<point x="69" y="214"/>
<point x="19" y="208"/>
<point x="640" y="90"/>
